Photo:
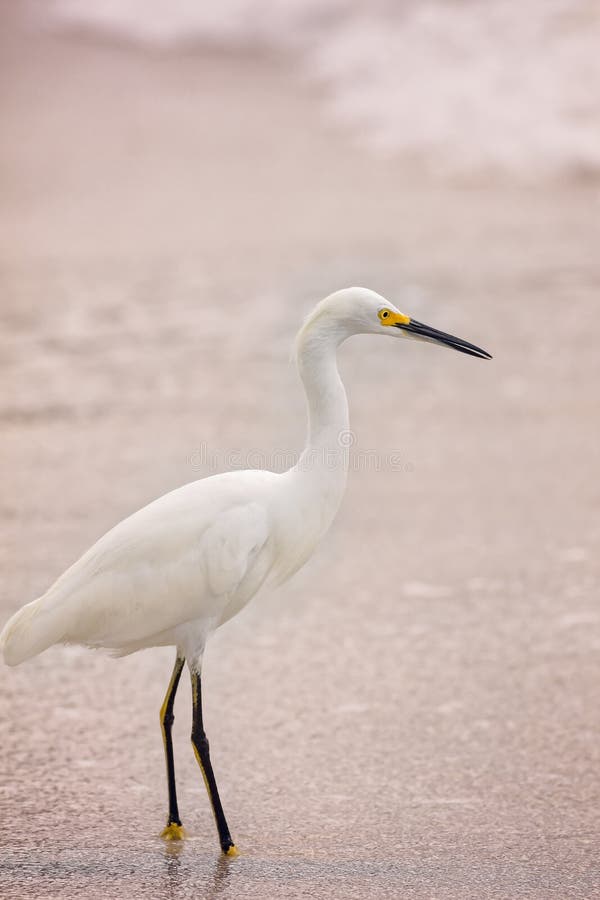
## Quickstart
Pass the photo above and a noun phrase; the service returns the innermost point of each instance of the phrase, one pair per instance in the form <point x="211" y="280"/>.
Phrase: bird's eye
<point x="385" y="313"/>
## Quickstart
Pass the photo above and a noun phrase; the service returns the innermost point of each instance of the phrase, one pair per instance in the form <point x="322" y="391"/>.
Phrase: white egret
<point x="174" y="571"/>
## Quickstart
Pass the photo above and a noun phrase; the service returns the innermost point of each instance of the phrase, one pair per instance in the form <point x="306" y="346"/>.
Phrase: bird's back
<point x="179" y="559"/>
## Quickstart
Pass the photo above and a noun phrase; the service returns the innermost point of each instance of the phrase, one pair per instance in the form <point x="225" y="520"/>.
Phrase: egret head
<point x="358" y="310"/>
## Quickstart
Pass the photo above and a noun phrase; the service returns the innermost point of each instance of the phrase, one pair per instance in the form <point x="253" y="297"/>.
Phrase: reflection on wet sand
<point x="178" y="878"/>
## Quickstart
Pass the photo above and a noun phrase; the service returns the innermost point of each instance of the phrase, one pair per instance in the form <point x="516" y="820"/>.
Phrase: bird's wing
<point x="230" y="546"/>
<point x="170" y="583"/>
<point x="183" y="558"/>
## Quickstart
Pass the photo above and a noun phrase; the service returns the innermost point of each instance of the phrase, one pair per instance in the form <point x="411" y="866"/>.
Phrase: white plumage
<point x="174" y="571"/>
<point x="175" y="564"/>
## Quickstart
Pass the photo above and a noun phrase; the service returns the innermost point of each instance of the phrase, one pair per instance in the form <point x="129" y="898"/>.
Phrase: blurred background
<point x="416" y="714"/>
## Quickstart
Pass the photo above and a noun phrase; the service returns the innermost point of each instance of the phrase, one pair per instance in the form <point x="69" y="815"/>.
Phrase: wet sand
<point x="416" y="714"/>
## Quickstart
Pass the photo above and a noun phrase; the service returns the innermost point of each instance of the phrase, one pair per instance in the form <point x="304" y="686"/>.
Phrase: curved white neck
<point x="315" y="486"/>
<point x="328" y="435"/>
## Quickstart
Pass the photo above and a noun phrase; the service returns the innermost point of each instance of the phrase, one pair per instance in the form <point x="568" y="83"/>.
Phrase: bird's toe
<point x="173" y="832"/>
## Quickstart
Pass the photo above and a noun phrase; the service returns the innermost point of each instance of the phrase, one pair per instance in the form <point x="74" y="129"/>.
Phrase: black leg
<point x="174" y="830"/>
<point x="200" y="744"/>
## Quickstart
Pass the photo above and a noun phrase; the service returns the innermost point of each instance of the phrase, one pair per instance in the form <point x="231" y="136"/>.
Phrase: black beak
<point x="440" y="337"/>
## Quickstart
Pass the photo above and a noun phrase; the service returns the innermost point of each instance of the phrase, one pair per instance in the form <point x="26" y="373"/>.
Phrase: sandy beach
<point x="416" y="714"/>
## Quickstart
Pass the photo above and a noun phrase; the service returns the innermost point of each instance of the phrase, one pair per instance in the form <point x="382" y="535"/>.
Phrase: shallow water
<point x="463" y="88"/>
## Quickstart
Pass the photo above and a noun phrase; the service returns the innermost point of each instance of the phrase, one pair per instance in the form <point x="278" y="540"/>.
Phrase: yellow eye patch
<point x="387" y="317"/>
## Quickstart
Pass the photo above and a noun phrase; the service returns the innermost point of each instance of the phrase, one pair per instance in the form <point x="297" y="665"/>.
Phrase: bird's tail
<point x="28" y="632"/>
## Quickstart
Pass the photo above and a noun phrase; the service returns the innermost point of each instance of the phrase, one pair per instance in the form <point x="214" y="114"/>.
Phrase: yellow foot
<point x="173" y="832"/>
<point x="232" y="851"/>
